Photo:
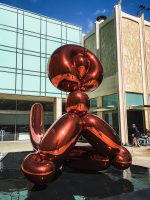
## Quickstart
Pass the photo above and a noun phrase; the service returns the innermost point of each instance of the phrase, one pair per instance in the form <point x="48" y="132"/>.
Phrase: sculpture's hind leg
<point x="86" y="158"/>
<point x="106" y="141"/>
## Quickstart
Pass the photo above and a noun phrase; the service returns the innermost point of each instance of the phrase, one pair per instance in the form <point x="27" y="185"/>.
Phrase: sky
<point x="79" y="12"/>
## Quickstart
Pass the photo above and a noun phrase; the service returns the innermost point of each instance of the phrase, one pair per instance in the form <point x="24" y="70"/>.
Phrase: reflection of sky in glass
<point x="26" y="48"/>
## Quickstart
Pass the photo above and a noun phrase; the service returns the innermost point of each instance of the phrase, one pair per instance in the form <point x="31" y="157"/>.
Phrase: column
<point x="57" y="108"/>
<point x="144" y="68"/>
<point x="121" y="91"/>
<point x="99" y="105"/>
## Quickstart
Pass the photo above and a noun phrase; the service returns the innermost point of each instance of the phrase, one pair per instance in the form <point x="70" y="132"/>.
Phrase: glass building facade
<point x="27" y="41"/>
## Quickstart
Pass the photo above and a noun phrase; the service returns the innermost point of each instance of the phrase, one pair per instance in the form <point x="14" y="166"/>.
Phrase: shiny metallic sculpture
<point x="73" y="69"/>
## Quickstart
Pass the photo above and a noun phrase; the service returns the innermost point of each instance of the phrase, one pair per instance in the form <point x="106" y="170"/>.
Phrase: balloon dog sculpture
<point x="73" y="69"/>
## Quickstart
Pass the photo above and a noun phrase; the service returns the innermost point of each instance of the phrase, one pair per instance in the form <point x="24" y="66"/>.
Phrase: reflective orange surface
<point x="78" y="102"/>
<point x="36" y="125"/>
<point x="74" y="69"/>
<point x="38" y="170"/>
<point x="86" y="158"/>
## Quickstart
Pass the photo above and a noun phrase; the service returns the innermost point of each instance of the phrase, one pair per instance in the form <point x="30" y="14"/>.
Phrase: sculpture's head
<point x="72" y="67"/>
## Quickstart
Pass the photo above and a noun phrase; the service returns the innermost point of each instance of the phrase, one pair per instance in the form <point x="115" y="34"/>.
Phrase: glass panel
<point x="7" y="80"/>
<point x="63" y="107"/>
<point x="73" y="35"/>
<point x="43" y="65"/>
<point x="31" y="63"/>
<point x="52" y="46"/>
<point x="19" y="60"/>
<point x="20" y="21"/>
<point x="54" y="30"/>
<point x="93" y="103"/>
<point x="8" y="18"/>
<point x="64" y="33"/>
<point x="7" y="104"/>
<point x="31" y="24"/>
<point x="110" y="101"/>
<point x="112" y="119"/>
<point x="31" y="43"/>
<point x="24" y="105"/>
<point x="7" y="123"/>
<point x="19" y="81"/>
<point x="48" y="120"/>
<point x="22" y="127"/>
<point x="43" y="29"/>
<point x="42" y="84"/>
<point x="7" y="38"/>
<point x="134" y="99"/>
<point x="31" y="83"/>
<point x="50" y="88"/>
<point x="7" y="59"/>
<point x="43" y="43"/>
<point x="20" y="39"/>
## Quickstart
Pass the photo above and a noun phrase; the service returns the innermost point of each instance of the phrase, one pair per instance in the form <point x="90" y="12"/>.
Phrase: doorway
<point x="135" y="117"/>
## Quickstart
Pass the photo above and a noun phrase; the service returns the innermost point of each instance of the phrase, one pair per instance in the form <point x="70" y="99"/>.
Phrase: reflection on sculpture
<point x="73" y="69"/>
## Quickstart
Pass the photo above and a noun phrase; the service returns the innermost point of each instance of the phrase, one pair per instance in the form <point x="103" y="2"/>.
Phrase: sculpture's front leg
<point x="106" y="141"/>
<point x="59" y="139"/>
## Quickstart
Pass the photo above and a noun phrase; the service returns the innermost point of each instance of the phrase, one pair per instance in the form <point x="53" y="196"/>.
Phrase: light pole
<point x="120" y="2"/>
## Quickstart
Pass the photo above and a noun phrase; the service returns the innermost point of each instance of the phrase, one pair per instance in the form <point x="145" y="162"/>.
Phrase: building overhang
<point x="104" y="109"/>
<point x="140" y="107"/>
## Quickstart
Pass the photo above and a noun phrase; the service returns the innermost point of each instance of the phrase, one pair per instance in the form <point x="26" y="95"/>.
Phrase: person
<point x="135" y="136"/>
<point x="147" y="132"/>
<point x="143" y="139"/>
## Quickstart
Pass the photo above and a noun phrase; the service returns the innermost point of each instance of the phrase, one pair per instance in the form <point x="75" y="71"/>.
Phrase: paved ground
<point x="140" y="155"/>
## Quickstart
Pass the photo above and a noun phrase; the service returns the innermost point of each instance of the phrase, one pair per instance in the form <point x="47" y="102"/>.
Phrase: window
<point x="50" y="88"/>
<point x="64" y="33"/>
<point x="7" y="59"/>
<point x="110" y="100"/>
<point x="7" y="80"/>
<point x="52" y="46"/>
<point x="31" y="43"/>
<point x="18" y="81"/>
<point x="43" y="65"/>
<point x="7" y="38"/>
<point x="73" y="35"/>
<point x="31" y="63"/>
<point x="134" y="99"/>
<point x="31" y="83"/>
<point x="43" y="45"/>
<point x="31" y="24"/>
<point x="7" y="104"/>
<point x="53" y="30"/>
<point x="93" y="103"/>
<point x="20" y="21"/>
<point x="19" y="60"/>
<point x="43" y="28"/>
<point x="20" y="39"/>
<point x="43" y="84"/>
<point x="8" y="18"/>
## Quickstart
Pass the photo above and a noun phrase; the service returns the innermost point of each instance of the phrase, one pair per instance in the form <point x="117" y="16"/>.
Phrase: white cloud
<point x="90" y="25"/>
<point x="102" y="11"/>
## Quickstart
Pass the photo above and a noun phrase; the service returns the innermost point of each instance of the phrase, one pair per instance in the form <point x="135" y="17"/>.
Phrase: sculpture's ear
<point x="36" y="124"/>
